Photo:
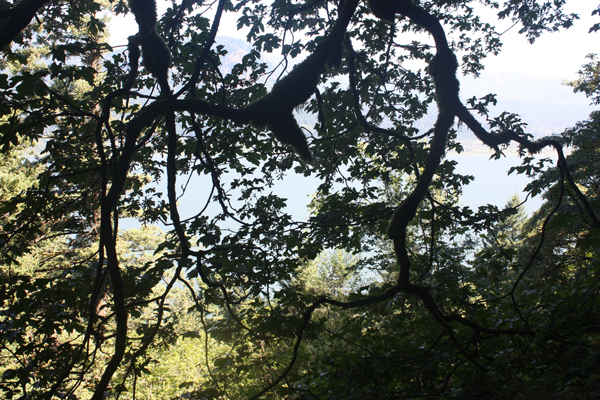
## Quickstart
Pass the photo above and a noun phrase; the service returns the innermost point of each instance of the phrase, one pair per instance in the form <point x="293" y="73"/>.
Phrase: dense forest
<point x="390" y="288"/>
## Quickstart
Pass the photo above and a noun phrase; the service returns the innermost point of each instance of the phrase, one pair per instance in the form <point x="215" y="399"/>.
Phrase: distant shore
<point x="476" y="148"/>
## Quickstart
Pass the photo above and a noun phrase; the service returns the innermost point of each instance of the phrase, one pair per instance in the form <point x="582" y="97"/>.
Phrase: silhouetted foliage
<point x="389" y="289"/>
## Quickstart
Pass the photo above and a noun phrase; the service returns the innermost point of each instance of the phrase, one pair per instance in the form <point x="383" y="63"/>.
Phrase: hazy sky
<point x="557" y="55"/>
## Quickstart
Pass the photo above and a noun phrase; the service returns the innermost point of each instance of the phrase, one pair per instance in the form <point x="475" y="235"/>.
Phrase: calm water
<point x="492" y="185"/>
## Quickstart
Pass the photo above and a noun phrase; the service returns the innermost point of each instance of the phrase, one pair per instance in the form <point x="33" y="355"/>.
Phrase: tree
<point x="503" y="239"/>
<point x="365" y="72"/>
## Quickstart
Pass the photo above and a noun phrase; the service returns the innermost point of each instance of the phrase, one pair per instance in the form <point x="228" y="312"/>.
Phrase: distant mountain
<point x="545" y="104"/>
<point x="236" y="50"/>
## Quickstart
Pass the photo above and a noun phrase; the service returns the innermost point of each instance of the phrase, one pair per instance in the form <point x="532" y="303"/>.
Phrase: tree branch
<point x="15" y="19"/>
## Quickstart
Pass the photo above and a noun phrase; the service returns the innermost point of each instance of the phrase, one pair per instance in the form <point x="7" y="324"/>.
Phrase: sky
<point x="554" y="55"/>
<point x="535" y="73"/>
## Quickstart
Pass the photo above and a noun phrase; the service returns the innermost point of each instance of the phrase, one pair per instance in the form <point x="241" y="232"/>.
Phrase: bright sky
<point x="557" y="55"/>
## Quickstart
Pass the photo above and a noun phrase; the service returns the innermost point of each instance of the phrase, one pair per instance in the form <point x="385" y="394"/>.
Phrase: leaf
<point x="9" y="374"/>
<point x="223" y="362"/>
<point x="191" y="334"/>
<point x="589" y="241"/>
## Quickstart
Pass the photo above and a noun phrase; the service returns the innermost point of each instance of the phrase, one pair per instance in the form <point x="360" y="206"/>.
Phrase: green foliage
<point x="589" y="79"/>
<point x="389" y="289"/>
<point x="333" y="273"/>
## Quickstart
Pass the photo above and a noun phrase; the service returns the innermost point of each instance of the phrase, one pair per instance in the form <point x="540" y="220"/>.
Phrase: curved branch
<point x="442" y="69"/>
<point x="506" y="136"/>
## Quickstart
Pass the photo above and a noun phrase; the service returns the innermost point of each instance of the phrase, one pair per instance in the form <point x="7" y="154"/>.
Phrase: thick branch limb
<point x="275" y="110"/>
<point x="14" y="20"/>
<point x="443" y="69"/>
<point x="118" y="288"/>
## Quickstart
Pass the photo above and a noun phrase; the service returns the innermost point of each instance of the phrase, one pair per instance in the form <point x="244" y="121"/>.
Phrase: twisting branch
<point x="442" y="69"/>
<point x="156" y="57"/>
<point x="275" y="110"/>
<point x="506" y="136"/>
<point x="107" y="251"/>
